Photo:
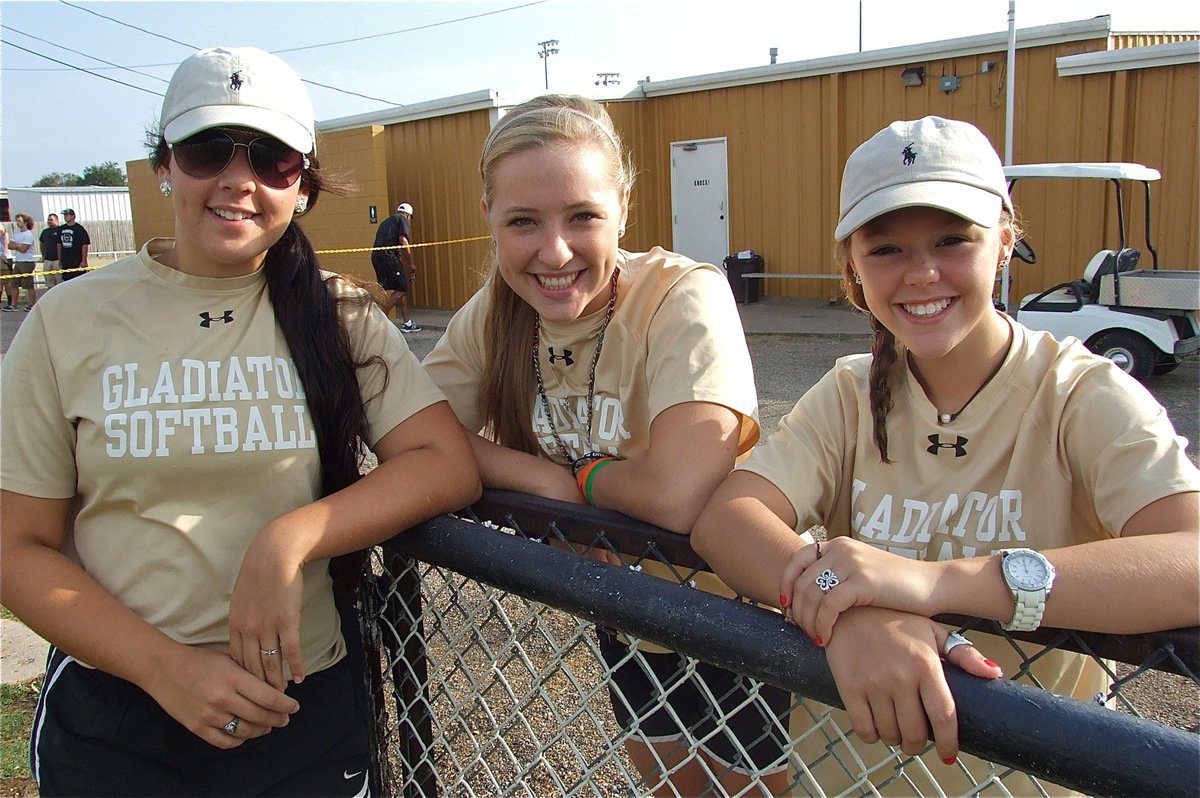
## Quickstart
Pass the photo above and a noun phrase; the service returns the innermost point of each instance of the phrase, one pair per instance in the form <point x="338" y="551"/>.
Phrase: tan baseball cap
<point x="931" y="162"/>
<point x="238" y="87"/>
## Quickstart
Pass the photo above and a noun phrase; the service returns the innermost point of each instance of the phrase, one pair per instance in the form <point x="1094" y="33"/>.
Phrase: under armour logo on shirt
<point x="206" y="318"/>
<point x="959" y="446"/>
<point x="565" y="356"/>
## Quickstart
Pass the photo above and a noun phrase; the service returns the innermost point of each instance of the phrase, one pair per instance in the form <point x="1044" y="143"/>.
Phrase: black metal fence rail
<point x="500" y="543"/>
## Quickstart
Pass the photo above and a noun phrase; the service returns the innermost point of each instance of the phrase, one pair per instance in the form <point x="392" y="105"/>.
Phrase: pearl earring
<point x="301" y="204"/>
<point x="165" y="188"/>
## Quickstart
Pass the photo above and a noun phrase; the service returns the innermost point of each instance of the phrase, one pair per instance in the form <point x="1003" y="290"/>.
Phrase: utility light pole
<point x="549" y="48"/>
<point x="607" y="78"/>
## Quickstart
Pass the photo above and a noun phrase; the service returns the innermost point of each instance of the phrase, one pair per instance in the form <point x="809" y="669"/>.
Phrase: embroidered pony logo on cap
<point x="235" y="80"/>
<point x="910" y="156"/>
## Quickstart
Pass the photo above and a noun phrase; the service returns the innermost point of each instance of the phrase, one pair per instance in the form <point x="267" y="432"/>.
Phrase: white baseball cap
<point x="238" y="87"/>
<point x="930" y="162"/>
<point x="404" y="207"/>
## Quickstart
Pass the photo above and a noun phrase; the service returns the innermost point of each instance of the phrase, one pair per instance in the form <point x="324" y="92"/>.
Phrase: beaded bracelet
<point x="582" y="462"/>
<point x="584" y="478"/>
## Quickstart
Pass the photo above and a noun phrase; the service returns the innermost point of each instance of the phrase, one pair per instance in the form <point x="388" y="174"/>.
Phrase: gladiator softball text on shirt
<point x="973" y="522"/>
<point x="247" y="403"/>
<point x="569" y="418"/>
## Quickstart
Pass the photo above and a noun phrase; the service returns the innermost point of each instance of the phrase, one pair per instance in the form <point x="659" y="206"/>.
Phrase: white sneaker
<point x="409" y="327"/>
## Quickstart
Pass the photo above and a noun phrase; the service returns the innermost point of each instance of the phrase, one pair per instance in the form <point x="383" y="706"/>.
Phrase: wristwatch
<point x="1029" y="576"/>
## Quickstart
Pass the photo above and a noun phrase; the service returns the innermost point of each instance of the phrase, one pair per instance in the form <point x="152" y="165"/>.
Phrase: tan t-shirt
<point x="675" y="336"/>
<point x="1059" y="448"/>
<point x="168" y="405"/>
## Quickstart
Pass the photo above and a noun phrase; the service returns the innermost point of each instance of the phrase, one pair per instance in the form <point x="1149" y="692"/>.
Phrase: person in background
<point x="48" y="240"/>
<point x="968" y="465"/>
<point x="73" y="243"/>
<point x="21" y="244"/>
<point x="10" y="287"/>
<point x="182" y="487"/>
<point x="593" y="373"/>
<point x="394" y="265"/>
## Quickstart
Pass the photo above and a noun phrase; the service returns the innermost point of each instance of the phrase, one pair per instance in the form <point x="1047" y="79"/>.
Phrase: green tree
<point x="57" y="179"/>
<point x="101" y="174"/>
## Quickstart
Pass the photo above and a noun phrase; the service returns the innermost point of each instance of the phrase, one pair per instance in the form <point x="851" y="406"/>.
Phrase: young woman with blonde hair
<point x="967" y="465"/>
<point x="613" y="378"/>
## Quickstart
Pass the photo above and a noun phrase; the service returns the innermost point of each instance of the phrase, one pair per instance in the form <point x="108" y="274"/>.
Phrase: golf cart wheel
<point x="1132" y="353"/>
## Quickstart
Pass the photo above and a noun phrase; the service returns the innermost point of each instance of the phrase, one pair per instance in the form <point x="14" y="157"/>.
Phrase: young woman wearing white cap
<point x="617" y="379"/>
<point x="187" y="467"/>
<point x="942" y="460"/>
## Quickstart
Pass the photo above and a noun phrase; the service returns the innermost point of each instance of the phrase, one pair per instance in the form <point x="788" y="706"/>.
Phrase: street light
<point x="549" y="48"/>
<point x="606" y="78"/>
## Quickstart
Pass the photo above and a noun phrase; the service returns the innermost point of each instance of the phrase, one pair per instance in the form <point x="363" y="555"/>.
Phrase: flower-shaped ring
<point x="828" y="580"/>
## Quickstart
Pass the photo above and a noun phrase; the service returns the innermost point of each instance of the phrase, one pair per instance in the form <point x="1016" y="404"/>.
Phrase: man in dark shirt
<point x="49" y="243"/>
<point x="73" y="243"/>
<point x="394" y="268"/>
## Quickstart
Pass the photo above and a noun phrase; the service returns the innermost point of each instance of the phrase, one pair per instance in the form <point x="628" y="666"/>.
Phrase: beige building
<point x="751" y="159"/>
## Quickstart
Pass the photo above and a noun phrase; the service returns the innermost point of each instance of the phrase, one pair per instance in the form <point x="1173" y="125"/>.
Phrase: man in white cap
<point x="393" y="262"/>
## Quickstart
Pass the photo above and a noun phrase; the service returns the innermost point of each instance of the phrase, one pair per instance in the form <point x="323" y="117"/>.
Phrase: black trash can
<point x="745" y="289"/>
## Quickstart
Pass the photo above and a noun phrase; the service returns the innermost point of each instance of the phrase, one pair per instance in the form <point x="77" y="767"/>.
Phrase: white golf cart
<point x="1144" y="320"/>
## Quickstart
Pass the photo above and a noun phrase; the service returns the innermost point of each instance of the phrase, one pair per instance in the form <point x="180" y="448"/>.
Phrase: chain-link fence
<point x="498" y="682"/>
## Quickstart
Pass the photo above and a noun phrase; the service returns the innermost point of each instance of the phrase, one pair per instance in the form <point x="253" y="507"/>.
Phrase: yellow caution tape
<point x="319" y="252"/>
<point x="398" y="246"/>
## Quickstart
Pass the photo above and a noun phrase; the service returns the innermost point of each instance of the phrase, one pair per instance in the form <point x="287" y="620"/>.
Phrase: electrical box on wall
<point x="949" y="83"/>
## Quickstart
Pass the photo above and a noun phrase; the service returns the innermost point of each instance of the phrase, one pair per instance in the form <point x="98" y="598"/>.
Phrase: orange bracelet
<point x="584" y="478"/>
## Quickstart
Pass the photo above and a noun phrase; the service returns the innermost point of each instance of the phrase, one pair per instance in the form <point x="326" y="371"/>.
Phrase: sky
<point x="66" y="114"/>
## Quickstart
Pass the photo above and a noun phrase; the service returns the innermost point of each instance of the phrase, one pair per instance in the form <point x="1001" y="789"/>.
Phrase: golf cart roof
<point x="1099" y="171"/>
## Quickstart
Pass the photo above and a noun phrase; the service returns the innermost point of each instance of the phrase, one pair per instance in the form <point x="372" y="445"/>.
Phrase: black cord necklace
<point x="576" y="463"/>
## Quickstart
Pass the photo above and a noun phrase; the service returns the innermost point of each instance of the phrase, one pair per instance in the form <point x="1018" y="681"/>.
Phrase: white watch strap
<point x="1031" y="605"/>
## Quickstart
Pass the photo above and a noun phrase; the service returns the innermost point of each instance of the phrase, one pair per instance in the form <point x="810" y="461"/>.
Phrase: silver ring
<point x="954" y="641"/>
<point x="269" y="652"/>
<point x="828" y="580"/>
<point x="230" y="728"/>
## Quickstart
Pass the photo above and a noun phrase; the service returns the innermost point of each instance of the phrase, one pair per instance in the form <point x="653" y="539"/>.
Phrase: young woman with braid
<point x="182" y="464"/>
<point x="592" y="374"/>
<point x="967" y="465"/>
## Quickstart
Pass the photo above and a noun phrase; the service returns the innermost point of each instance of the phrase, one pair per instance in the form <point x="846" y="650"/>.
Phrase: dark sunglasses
<point x="209" y="152"/>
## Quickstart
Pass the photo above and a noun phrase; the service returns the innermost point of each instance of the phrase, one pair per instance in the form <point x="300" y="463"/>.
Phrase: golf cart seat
<point x="1067" y="297"/>
<point x="1103" y="263"/>
<point x="1097" y="265"/>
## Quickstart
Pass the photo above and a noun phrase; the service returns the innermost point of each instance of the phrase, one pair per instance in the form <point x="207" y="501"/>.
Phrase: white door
<point x="700" y="200"/>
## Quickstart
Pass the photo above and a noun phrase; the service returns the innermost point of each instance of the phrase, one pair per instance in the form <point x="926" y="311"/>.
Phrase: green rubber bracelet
<point x="587" y="486"/>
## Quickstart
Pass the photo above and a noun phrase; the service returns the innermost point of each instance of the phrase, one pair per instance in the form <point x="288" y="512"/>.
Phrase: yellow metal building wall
<point x="433" y="164"/>
<point x="788" y="140"/>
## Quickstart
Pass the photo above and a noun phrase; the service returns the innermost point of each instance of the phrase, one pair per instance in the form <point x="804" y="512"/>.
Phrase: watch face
<point x="1026" y="571"/>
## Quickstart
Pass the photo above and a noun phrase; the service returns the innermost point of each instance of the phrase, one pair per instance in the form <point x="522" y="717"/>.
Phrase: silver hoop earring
<point x="165" y="188"/>
<point x="301" y="204"/>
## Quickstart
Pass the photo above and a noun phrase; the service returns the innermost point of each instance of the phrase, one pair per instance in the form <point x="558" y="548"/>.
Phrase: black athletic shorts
<point x="389" y="271"/>
<point x="746" y="730"/>
<point x="95" y="734"/>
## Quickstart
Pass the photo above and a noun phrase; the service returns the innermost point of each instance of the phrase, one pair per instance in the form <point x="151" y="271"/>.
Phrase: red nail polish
<point x="950" y="760"/>
<point x="818" y="640"/>
<point x="989" y="662"/>
<point x="783" y="601"/>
